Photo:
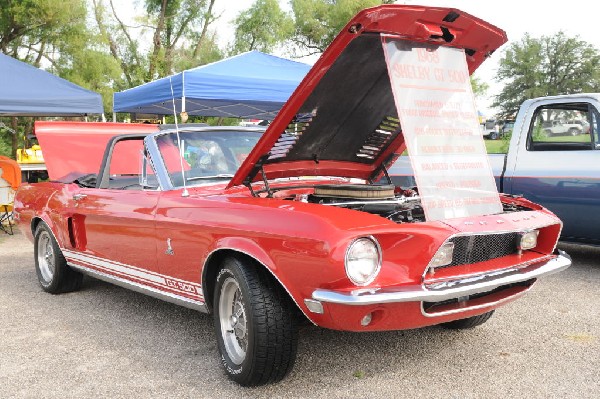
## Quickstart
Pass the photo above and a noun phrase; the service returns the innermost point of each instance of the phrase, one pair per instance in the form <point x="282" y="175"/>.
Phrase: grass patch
<point x="495" y="146"/>
<point x="358" y="374"/>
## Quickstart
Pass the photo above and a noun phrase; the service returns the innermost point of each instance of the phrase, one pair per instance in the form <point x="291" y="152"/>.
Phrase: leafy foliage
<point x="550" y="65"/>
<point x="319" y="21"/>
<point x="180" y="38"/>
<point x="479" y="87"/>
<point x="262" y="27"/>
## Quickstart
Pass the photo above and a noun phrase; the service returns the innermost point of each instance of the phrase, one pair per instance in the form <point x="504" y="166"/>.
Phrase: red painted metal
<point x="146" y="236"/>
<point x="414" y="23"/>
<point x="79" y="146"/>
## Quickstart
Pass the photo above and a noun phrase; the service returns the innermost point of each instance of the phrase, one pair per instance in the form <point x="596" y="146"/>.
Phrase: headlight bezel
<point x="373" y="275"/>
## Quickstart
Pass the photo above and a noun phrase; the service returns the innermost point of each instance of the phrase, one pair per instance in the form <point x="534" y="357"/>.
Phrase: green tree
<point x="479" y="87"/>
<point x="33" y="30"/>
<point x="317" y="22"/>
<point x="261" y="27"/>
<point x="180" y="36"/>
<point x="546" y="66"/>
<point x="42" y="33"/>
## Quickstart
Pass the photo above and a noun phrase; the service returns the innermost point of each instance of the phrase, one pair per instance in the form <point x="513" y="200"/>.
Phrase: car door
<point x="562" y="172"/>
<point x="113" y="224"/>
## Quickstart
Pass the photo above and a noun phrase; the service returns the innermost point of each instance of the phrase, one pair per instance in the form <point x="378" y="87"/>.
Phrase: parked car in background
<point x="490" y="129"/>
<point x="507" y="127"/>
<point x="560" y="172"/>
<point x="266" y="229"/>
<point x="562" y="128"/>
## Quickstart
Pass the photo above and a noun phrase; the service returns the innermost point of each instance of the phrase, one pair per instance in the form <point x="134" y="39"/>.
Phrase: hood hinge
<point x="258" y="167"/>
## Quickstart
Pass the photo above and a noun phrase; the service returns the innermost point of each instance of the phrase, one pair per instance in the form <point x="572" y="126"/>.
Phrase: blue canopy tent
<point x="29" y="91"/>
<point x="249" y="85"/>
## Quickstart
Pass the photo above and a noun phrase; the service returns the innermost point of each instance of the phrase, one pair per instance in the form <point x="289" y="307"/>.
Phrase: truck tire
<point x="54" y="275"/>
<point x="255" y="324"/>
<point x="573" y="131"/>
<point x="469" y="322"/>
<point x="493" y="136"/>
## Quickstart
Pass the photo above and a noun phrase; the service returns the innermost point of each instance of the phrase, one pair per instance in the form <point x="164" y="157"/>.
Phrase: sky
<point x="515" y="17"/>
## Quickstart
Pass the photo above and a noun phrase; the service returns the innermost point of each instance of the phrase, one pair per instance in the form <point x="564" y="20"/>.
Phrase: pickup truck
<point x="559" y="172"/>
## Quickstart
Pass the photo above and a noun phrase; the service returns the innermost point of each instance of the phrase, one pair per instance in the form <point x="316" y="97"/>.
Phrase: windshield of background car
<point x="204" y="156"/>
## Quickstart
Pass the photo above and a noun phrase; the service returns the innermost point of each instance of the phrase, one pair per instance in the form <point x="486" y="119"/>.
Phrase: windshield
<point x="205" y="156"/>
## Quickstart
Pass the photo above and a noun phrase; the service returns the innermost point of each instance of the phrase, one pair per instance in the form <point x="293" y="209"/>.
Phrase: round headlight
<point x="363" y="261"/>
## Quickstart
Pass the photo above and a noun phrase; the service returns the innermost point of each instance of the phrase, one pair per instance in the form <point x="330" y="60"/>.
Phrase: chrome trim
<point x="475" y="307"/>
<point x="367" y="201"/>
<point x="143" y="289"/>
<point x="487" y="233"/>
<point x="445" y="290"/>
<point x="155" y="157"/>
<point x="379" y="260"/>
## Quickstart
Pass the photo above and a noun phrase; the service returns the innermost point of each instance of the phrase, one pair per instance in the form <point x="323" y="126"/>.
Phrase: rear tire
<point x="255" y="324"/>
<point x="573" y="132"/>
<point x="469" y="322"/>
<point x="54" y="275"/>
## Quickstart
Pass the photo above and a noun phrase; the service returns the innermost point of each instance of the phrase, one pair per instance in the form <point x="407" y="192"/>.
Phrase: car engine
<point x="395" y="204"/>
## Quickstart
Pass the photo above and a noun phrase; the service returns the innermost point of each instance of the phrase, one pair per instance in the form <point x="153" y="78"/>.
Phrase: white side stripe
<point x="128" y="271"/>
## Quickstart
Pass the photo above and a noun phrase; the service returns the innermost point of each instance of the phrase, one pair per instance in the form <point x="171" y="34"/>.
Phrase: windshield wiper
<point x="219" y="176"/>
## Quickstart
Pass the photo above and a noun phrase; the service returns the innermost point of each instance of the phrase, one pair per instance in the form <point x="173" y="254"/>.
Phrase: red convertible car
<point x="265" y="228"/>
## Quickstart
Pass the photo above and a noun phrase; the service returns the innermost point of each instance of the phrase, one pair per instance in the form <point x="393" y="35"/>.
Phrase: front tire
<point x="54" y="275"/>
<point x="255" y="324"/>
<point x="469" y="322"/>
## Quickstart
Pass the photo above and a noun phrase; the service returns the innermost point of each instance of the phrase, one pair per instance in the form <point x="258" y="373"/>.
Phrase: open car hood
<point x="342" y="119"/>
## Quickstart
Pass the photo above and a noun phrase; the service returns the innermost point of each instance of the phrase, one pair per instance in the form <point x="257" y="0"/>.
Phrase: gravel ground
<point x="108" y="342"/>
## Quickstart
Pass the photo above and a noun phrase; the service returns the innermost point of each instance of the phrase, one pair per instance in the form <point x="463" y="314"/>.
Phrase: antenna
<point x="185" y="192"/>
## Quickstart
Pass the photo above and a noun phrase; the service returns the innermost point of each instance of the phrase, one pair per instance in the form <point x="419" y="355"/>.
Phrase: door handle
<point x="79" y="197"/>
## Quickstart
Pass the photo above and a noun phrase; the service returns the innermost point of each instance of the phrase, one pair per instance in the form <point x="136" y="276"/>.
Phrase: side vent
<point x="290" y="136"/>
<point x="379" y="139"/>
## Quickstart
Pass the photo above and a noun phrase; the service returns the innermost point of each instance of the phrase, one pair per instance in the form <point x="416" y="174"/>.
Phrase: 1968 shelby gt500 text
<point x="262" y="228"/>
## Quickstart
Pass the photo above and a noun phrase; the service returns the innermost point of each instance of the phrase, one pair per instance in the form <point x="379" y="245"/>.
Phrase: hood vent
<point x="378" y="140"/>
<point x="290" y="136"/>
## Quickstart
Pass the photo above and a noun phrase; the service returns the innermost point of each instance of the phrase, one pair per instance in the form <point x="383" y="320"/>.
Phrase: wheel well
<point x="211" y="269"/>
<point x="34" y="224"/>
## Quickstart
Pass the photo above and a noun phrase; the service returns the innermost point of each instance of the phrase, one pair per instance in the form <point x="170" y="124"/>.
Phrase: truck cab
<point x="554" y="160"/>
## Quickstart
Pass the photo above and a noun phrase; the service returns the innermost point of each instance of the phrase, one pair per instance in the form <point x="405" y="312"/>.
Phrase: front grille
<point x="479" y="248"/>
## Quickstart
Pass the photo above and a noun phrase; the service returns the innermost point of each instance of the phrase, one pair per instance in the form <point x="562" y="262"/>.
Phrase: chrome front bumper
<point x="441" y="291"/>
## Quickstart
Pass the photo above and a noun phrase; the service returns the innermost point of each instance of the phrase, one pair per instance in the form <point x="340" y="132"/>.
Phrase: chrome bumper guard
<point x="441" y="291"/>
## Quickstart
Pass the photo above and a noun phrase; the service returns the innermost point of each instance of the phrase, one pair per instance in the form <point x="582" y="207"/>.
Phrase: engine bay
<point x="395" y="204"/>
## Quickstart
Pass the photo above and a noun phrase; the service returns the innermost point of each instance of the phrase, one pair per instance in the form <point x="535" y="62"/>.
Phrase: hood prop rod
<point x="258" y="167"/>
<point x="383" y="169"/>
<point x="264" y="176"/>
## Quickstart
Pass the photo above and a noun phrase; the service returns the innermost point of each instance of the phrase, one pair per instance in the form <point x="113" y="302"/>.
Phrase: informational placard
<point x="433" y="96"/>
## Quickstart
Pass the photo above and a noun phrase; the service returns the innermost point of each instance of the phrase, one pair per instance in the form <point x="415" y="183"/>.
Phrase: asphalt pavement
<point x="107" y="342"/>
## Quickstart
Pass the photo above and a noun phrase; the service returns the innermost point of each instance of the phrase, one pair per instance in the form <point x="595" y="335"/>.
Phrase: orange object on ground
<point x="11" y="171"/>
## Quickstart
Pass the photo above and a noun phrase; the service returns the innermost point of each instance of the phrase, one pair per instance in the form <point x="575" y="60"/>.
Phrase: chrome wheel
<point x="232" y="318"/>
<point x="45" y="257"/>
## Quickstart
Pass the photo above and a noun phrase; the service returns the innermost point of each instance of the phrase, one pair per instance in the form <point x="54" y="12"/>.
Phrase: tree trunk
<point x="207" y="21"/>
<point x="156" y="41"/>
